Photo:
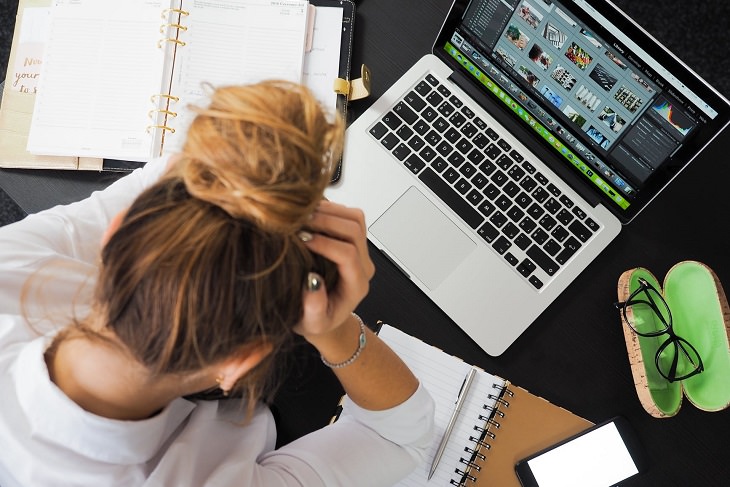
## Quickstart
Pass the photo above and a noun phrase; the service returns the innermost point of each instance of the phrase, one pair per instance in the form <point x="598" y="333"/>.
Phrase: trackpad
<point x="420" y="236"/>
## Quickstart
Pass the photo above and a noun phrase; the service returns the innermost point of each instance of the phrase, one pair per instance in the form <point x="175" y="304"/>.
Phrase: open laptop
<point x="500" y="165"/>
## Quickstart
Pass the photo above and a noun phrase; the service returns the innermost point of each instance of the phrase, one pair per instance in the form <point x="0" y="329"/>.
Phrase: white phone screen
<point x="597" y="459"/>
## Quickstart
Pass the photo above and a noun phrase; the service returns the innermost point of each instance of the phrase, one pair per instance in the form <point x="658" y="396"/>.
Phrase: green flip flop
<point x="701" y="316"/>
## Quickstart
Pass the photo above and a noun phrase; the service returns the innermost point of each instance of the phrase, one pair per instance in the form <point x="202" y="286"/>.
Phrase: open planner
<point x="499" y="423"/>
<point x="113" y="81"/>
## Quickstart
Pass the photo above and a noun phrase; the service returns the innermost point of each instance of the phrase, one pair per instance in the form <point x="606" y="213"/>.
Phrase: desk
<point x="574" y="354"/>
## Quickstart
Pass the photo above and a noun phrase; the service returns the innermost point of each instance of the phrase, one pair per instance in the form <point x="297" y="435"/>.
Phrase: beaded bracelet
<point x="361" y="341"/>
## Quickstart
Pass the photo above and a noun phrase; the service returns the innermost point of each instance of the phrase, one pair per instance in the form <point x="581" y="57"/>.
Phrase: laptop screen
<point x="612" y="105"/>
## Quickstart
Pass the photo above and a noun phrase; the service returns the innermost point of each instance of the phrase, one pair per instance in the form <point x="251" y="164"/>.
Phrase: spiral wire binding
<point x="168" y="99"/>
<point x="482" y="440"/>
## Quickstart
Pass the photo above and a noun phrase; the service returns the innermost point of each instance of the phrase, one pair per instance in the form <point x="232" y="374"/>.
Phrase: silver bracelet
<point x="361" y="342"/>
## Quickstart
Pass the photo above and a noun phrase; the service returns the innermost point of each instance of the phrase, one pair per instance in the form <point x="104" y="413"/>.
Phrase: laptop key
<point x="391" y="120"/>
<point x="427" y="153"/>
<point x="378" y="130"/>
<point x="451" y="175"/>
<point x="429" y="114"/>
<point x="421" y="127"/>
<point x="446" y="109"/>
<point x="432" y="79"/>
<point x="401" y="151"/>
<point x="404" y="132"/>
<point x="457" y="119"/>
<point x="416" y="143"/>
<point x="404" y="112"/>
<point x="434" y="98"/>
<point x="469" y="130"/>
<point x="415" y="101"/>
<point x="390" y="141"/>
<point x="481" y="141"/>
<point x="439" y="164"/>
<point x="566" y="254"/>
<point x="414" y="163"/>
<point x="452" y="199"/>
<point x="423" y="88"/>
<point x="522" y="241"/>
<point x="591" y="224"/>
<point x="535" y="282"/>
<point x="543" y="260"/>
<point x="510" y="230"/>
<point x="511" y="259"/>
<point x="501" y="244"/>
<point x="526" y="267"/>
<point x="579" y="230"/>
<point x="488" y="232"/>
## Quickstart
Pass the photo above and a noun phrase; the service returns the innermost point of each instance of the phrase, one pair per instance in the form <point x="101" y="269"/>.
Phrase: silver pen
<point x="459" y="402"/>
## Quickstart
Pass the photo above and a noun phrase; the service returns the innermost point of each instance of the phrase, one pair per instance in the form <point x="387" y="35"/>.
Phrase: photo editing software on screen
<point x="604" y="105"/>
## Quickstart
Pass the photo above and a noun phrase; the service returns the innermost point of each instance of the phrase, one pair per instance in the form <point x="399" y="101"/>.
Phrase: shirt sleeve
<point x="362" y="448"/>
<point x="60" y="246"/>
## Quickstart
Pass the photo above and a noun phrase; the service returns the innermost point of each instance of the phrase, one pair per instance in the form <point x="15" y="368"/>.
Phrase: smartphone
<point x="601" y="456"/>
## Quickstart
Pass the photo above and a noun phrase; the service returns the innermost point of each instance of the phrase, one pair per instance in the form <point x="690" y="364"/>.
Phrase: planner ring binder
<point x="161" y="114"/>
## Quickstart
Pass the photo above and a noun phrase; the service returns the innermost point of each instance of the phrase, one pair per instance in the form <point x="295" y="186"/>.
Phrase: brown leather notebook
<point x="498" y="423"/>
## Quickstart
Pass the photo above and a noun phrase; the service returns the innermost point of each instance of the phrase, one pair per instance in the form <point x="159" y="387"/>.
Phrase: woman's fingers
<point x="346" y="224"/>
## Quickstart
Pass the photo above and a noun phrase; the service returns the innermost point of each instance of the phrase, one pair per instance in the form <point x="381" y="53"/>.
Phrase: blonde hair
<point x="207" y="259"/>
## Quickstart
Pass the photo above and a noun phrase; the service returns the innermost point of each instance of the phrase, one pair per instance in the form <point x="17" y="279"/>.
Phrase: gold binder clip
<point x="355" y="89"/>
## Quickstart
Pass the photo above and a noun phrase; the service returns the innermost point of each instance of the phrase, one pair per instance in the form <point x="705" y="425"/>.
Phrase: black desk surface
<point x="574" y="354"/>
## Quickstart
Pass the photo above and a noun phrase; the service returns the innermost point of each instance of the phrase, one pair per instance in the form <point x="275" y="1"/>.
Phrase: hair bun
<point x="262" y="152"/>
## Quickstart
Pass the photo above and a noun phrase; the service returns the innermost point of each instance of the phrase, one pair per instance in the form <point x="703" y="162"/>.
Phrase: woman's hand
<point x="338" y="234"/>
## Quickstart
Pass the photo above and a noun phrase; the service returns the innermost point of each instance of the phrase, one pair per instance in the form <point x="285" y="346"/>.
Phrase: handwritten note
<point x="29" y="57"/>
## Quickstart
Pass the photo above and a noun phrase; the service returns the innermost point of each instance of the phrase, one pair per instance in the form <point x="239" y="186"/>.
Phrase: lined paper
<point x="443" y="375"/>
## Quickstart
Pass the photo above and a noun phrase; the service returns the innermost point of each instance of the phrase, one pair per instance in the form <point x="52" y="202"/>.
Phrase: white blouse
<point x="48" y="440"/>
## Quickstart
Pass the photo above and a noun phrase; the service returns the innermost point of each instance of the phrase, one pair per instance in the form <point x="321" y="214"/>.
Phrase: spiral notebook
<point x="499" y="423"/>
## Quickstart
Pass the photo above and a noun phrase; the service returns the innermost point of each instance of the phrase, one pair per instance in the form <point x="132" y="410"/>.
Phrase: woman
<point x="193" y="275"/>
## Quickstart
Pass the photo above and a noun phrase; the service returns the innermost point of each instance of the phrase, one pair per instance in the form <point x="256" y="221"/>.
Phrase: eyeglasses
<point x="676" y="359"/>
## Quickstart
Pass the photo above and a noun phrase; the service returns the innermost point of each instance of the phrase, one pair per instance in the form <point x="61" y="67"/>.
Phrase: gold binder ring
<point x="167" y="11"/>
<point x="163" y="127"/>
<point x="164" y="27"/>
<point x="153" y="98"/>
<point x="169" y="39"/>
<point x="166" y="112"/>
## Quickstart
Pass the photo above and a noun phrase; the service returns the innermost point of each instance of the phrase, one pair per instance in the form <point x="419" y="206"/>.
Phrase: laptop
<point x="497" y="168"/>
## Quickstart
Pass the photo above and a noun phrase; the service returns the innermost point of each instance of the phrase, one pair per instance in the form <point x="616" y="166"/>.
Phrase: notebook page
<point x="235" y="42"/>
<point x="100" y="67"/>
<point x="443" y="375"/>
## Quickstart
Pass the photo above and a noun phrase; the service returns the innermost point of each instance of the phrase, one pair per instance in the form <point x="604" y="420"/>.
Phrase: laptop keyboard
<point x="515" y="208"/>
